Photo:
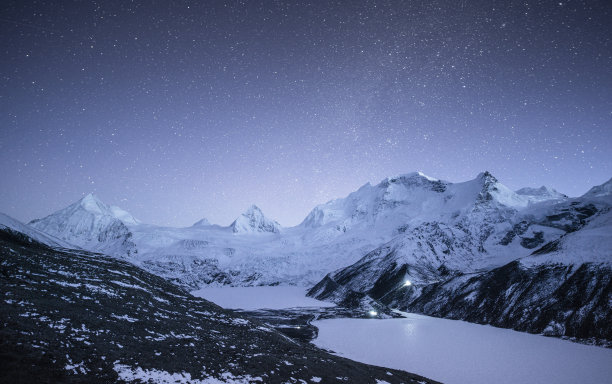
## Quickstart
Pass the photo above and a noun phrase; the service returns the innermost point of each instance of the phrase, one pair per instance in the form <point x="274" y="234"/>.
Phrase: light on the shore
<point x="407" y="283"/>
<point x="373" y="313"/>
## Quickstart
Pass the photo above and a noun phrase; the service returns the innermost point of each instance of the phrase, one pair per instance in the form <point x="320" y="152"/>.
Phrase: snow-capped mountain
<point x="92" y="225"/>
<point x="252" y="221"/>
<point x="475" y="224"/>
<point x="526" y="268"/>
<point x="538" y="195"/>
<point x="410" y="198"/>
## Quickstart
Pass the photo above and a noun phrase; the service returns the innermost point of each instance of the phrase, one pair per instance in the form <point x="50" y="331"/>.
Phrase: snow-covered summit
<point x="492" y="189"/>
<point x="538" y="195"/>
<point x="93" y="204"/>
<point x="370" y="201"/>
<point x="90" y="224"/>
<point x="253" y="221"/>
<point x="412" y="196"/>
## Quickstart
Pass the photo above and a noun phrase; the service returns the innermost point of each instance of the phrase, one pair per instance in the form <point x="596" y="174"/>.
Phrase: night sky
<point x="178" y="110"/>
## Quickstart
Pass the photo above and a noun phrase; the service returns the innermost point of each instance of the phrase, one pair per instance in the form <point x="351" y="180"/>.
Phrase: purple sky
<point x="180" y="110"/>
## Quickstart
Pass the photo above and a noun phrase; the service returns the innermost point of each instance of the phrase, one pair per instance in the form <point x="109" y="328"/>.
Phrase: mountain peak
<point x="492" y="190"/>
<point x="427" y="177"/>
<point x="410" y="176"/>
<point x="486" y="176"/>
<point x="93" y="204"/>
<point x="253" y="220"/>
<point x="253" y="210"/>
<point x="90" y="205"/>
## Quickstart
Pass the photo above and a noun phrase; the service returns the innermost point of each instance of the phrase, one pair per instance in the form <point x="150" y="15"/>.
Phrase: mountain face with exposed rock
<point x="72" y="316"/>
<point x="557" y="280"/>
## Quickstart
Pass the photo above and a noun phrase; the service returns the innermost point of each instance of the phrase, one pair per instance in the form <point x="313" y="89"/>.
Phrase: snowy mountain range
<point x="435" y="234"/>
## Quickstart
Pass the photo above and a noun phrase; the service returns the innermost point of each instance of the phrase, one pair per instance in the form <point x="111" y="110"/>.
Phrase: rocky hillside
<point x="78" y="317"/>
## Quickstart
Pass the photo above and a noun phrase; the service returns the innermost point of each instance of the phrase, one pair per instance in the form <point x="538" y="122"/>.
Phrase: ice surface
<point x="249" y="298"/>
<point x="457" y="352"/>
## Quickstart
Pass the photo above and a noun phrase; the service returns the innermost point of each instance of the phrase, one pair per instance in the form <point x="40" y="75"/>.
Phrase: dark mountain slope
<point x="555" y="300"/>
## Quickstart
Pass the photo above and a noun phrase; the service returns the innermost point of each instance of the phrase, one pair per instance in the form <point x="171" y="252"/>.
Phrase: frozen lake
<point x="453" y="352"/>
<point x="457" y="352"/>
<point x="250" y="298"/>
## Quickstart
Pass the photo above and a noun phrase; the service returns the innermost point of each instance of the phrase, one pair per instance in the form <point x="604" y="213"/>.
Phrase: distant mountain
<point x="254" y="221"/>
<point x="538" y="195"/>
<point x="70" y="316"/>
<point x="92" y="225"/>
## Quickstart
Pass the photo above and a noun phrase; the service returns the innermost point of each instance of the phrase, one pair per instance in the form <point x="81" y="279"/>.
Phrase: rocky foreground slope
<point x="78" y="317"/>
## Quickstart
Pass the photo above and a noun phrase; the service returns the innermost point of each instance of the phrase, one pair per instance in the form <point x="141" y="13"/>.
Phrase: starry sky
<point x="178" y="110"/>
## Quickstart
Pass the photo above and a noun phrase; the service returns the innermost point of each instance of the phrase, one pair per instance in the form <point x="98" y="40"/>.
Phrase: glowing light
<point x="407" y="283"/>
<point x="373" y="313"/>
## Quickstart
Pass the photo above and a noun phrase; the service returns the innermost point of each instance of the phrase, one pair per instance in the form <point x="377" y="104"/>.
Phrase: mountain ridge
<point x="364" y="246"/>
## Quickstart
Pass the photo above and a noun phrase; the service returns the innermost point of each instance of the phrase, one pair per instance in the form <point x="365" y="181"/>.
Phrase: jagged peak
<point x="254" y="220"/>
<point x="92" y="203"/>
<point x="486" y="176"/>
